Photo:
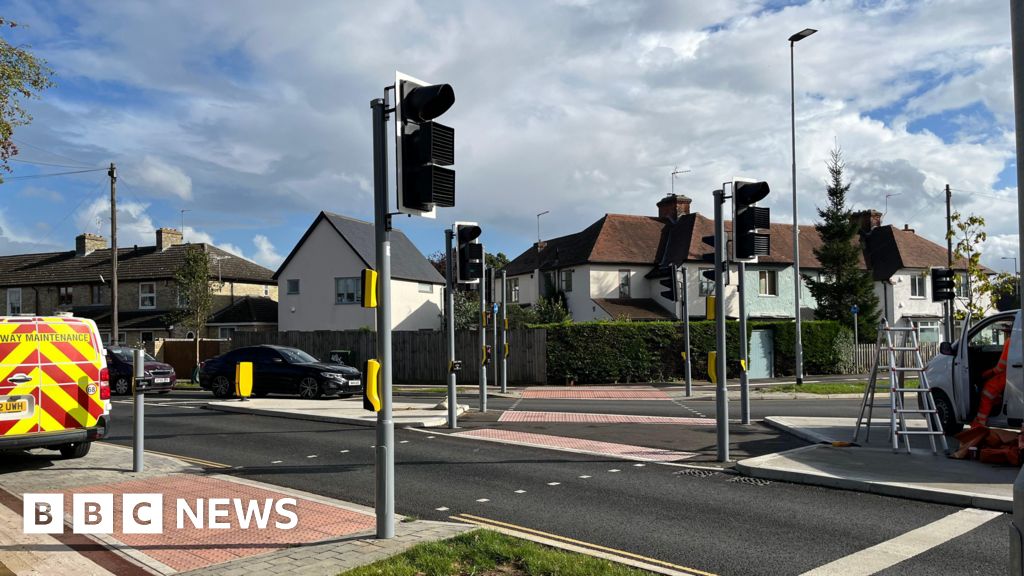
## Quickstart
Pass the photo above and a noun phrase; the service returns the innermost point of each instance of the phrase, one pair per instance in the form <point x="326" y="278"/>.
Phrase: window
<point x="182" y="298"/>
<point x="13" y="301"/>
<point x="266" y="290"/>
<point x="513" y="289"/>
<point x="707" y="287"/>
<point x="105" y="338"/>
<point x="426" y="288"/>
<point x="918" y="286"/>
<point x="293" y="285"/>
<point x="565" y="280"/>
<point x="960" y="284"/>
<point x="146" y="337"/>
<point x="624" y="284"/>
<point x="548" y="287"/>
<point x="226" y="332"/>
<point x="768" y="283"/>
<point x="347" y="291"/>
<point x="65" y="296"/>
<point x="929" y="330"/>
<point x="147" y="295"/>
<point x="96" y="294"/>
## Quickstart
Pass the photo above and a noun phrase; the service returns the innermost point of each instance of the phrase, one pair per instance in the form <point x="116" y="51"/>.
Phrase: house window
<point x="512" y="286"/>
<point x="96" y="294"/>
<point x="565" y="280"/>
<point x="182" y="298"/>
<point x="293" y="285"/>
<point x="624" y="283"/>
<point x="768" y="283"/>
<point x="147" y="295"/>
<point x="105" y="338"/>
<point x="65" y="296"/>
<point x="707" y="287"/>
<point x="918" y="286"/>
<point x="960" y="284"/>
<point x="266" y="290"/>
<point x="226" y="332"/>
<point x="549" y="284"/>
<point x="13" y="301"/>
<point x="347" y="291"/>
<point x="929" y="330"/>
<point x="426" y="288"/>
<point x="146" y="337"/>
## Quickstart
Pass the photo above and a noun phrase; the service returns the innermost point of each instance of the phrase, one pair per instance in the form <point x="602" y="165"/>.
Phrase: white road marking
<point x="441" y="509"/>
<point x="584" y="477"/>
<point x="553" y="483"/>
<point x="881" y="556"/>
<point x="403" y="441"/>
<point x="431" y="437"/>
<point x="343" y="452"/>
<point x="311" y="456"/>
<point x="639" y="465"/>
<point x="615" y="470"/>
<point x="276" y="461"/>
<point x="483" y="500"/>
<point x="520" y="491"/>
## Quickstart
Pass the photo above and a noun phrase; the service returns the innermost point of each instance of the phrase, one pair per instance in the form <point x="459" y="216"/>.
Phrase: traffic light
<point x="469" y="261"/>
<point x="748" y="218"/>
<point x="942" y="284"/>
<point x="423" y="147"/>
<point x="672" y="294"/>
<point x="710" y="258"/>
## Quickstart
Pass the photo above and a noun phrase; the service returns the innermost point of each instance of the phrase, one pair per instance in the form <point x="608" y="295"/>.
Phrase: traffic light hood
<point x="749" y="192"/>
<point x="424" y="103"/>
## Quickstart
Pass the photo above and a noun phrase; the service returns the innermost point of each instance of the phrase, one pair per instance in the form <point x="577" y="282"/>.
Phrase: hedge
<point x="609" y="352"/>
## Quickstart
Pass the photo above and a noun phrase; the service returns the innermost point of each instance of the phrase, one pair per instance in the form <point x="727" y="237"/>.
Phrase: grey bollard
<point x="139" y="403"/>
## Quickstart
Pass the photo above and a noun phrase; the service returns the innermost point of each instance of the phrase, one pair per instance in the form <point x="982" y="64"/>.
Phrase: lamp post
<point x="796" y="227"/>
<point x="538" y="226"/>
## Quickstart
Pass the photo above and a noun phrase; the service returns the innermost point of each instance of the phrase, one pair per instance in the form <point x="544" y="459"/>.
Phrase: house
<point x="320" y="286"/>
<point x="79" y="281"/>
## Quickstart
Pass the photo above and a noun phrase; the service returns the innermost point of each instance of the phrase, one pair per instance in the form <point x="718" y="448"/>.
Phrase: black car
<point x="279" y="369"/>
<point x="120" y="362"/>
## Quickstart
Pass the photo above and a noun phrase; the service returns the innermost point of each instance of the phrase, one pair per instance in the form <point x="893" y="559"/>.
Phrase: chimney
<point x="867" y="220"/>
<point x="907" y="228"/>
<point x="88" y="243"/>
<point x="672" y="206"/>
<point x="167" y="237"/>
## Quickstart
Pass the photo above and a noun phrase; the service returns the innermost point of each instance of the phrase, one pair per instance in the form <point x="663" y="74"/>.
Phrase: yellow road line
<point x="200" y="461"/>
<point x="480" y="521"/>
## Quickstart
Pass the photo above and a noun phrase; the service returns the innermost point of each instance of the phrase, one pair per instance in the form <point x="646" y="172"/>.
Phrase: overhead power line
<point x="35" y="176"/>
<point x="47" y="163"/>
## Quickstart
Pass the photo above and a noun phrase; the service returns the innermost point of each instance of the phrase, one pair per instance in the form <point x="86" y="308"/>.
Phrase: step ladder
<point x="899" y="354"/>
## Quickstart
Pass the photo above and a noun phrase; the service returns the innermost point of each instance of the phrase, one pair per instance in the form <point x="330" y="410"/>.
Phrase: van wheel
<point x="76" y="450"/>
<point x="122" y="386"/>
<point x="947" y="415"/>
<point x="221" y="387"/>
<point x="309" y="388"/>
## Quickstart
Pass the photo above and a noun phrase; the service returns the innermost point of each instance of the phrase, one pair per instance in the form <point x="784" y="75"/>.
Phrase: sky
<point x="242" y="120"/>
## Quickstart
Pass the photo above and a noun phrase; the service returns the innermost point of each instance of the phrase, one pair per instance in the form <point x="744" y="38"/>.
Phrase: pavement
<point x="873" y="467"/>
<point x="329" y="535"/>
<point x="349" y="411"/>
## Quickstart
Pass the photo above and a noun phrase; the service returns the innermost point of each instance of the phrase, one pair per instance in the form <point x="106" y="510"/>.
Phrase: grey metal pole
<point x="686" y="332"/>
<point x="1017" y="45"/>
<point x="796" y="230"/>
<point x="721" y="393"/>
<point x="504" y="333"/>
<point x="494" y="329"/>
<point x="449" y="290"/>
<point x="385" y="455"/>
<point x="744" y="360"/>
<point x="483" y="329"/>
<point x="855" y="340"/>
<point x="139" y="410"/>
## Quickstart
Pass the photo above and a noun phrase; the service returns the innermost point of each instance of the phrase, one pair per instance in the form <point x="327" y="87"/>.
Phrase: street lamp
<point x="538" y="226"/>
<point x="796" y="227"/>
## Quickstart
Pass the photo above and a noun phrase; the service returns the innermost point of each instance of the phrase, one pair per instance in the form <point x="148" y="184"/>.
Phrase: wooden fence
<point x="864" y="356"/>
<point x="419" y="357"/>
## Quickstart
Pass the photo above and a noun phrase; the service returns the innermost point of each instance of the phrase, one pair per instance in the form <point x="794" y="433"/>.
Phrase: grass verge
<point x="829" y="387"/>
<point x="483" y="552"/>
<point x="186" y="385"/>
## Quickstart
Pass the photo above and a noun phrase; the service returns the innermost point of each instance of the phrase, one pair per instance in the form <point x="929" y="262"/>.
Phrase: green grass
<point x="419" y="389"/>
<point x="829" y="387"/>
<point x="186" y="385"/>
<point x="486" y="552"/>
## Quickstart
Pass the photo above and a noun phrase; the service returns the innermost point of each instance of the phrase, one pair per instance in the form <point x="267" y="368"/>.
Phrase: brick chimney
<point x="672" y="206"/>
<point x="907" y="228"/>
<point x="867" y="220"/>
<point x="167" y="237"/>
<point x="88" y="243"/>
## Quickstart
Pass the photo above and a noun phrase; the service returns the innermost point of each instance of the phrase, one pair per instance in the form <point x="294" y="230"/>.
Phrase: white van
<point x="955" y="373"/>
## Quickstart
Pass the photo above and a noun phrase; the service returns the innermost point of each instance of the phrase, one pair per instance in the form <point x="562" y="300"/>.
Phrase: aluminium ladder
<point x="899" y="353"/>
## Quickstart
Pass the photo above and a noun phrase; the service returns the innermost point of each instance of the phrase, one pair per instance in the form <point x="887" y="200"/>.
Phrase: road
<point x="713" y="522"/>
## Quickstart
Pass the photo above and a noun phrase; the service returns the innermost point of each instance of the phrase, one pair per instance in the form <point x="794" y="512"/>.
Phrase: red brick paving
<point x="190" y="548"/>
<point x="589" y="446"/>
<point x="624" y="393"/>
<point x="586" y="418"/>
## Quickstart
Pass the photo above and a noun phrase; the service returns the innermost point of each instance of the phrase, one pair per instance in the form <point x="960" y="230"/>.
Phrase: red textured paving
<point x="190" y="548"/>
<point x="585" y="418"/>
<point x="628" y="393"/>
<point x="589" y="446"/>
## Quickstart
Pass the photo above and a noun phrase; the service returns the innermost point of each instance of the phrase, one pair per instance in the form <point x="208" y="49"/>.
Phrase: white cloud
<point x="160" y="178"/>
<point x="266" y="254"/>
<point x="134" y="225"/>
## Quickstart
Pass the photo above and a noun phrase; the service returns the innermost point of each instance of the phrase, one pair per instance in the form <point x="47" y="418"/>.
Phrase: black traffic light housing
<point x="943" y="284"/>
<point x="469" y="253"/>
<point x="672" y="285"/>
<point x="423" y="147"/>
<point x="748" y="218"/>
<point x="709" y="257"/>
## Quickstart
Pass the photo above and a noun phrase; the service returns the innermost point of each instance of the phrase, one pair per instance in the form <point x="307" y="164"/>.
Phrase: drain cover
<point x="696" y="472"/>
<point x="751" y="481"/>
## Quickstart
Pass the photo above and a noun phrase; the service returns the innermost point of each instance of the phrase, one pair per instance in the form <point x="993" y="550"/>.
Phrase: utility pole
<point x="449" y="291"/>
<point x="721" y="392"/>
<point x="113" y="255"/>
<point x="483" y="329"/>
<point x="685" y="312"/>
<point x="947" y="306"/>
<point x="744" y="383"/>
<point x="504" y="333"/>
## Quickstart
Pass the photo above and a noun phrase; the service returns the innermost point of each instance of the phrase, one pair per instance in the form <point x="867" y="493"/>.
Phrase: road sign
<point x="854" y="309"/>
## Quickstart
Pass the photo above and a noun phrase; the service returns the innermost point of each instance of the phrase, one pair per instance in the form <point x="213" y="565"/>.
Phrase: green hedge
<point x="606" y="352"/>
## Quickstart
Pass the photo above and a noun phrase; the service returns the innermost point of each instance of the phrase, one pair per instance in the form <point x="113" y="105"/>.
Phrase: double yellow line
<point x="548" y="538"/>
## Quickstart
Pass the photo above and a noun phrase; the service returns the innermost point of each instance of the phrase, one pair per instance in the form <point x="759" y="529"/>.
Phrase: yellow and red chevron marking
<point x="19" y="358"/>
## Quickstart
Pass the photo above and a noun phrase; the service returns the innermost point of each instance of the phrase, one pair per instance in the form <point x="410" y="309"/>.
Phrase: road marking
<point x="311" y="456"/>
<point x="639" y="465"/>
<point x="276" y="461"/>
<point x="615" y="470"/>
<point x="483" y="500"/>
<point x="403" y="441"/>
<point x="584" y="476"/>
<point x="343" y="452"/>
<point x="442" y="509"/>
<point x="621" y="556"/>
<point x="189" y="459"/>
<point x="553" y="483"/>
<point x="431" y="437"/>
<point x="520" y="491"/>
<point x="905" y="546"/>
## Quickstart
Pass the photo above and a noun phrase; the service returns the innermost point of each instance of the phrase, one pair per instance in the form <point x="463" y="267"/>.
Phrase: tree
<point x="843" y="283"/>
<point x="195" y="293"/>
<point x="22" y="76"/>
<point x="984" y="289"/>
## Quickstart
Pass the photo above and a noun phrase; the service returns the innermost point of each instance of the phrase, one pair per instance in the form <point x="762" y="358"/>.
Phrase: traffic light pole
<point x="504" y="333"/>
<point x="721" y="393"/>
<point x="385" y="455"/>
<point x="449" y="291"/>
<point x="683" y="298"/>
<point x="483" y="329"/>
<point x="494" y="328"/>
<point x="744" y="361"/>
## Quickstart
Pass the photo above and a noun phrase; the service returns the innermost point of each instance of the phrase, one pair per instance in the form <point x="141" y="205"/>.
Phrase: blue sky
<point x="253" y="116"/>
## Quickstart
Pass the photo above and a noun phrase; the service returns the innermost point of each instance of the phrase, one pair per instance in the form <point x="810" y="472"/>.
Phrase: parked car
<point x="279" y="369"/>
<point x="955" y="373"/>
<point x="120" y="362"/>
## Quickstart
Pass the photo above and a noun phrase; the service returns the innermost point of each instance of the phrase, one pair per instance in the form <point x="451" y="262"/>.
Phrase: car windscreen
<point x="125" y="355"/>
<point x="296" y="356"/>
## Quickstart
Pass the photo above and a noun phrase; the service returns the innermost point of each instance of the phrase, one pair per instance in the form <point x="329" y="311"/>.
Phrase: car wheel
<point x="309" y="388"/>
<point x="76" y="450"/>
<point x="947" y="415"/>
<point x="122" y="386"/>
<point x="221" y="387"/>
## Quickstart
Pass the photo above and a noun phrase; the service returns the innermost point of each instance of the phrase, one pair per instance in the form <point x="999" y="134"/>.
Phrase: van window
<point x="992" y="335"/>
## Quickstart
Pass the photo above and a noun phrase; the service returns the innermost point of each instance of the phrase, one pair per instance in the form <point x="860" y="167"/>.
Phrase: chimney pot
<point x="167" y="237"/>
<point x="867" y="220"/>
<point x="88" y="243"/>
<point x="673" y="206"/>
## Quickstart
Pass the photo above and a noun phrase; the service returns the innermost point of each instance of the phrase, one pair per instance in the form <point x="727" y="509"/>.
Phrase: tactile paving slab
<point x="631" y="393"/>
<point x="578" y="444"/>
<point x="586" y="418"/>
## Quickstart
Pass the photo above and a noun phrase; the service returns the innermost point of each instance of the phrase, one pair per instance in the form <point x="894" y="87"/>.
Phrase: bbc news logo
<point x="144" y="513"/>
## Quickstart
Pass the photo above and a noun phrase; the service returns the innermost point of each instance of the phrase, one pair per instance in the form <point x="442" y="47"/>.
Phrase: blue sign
<point x="854" y="309"/>
<point x="495" y="310"/>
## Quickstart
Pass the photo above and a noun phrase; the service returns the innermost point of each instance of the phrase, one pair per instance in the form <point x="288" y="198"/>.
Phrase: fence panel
<point x="864" y="356"/>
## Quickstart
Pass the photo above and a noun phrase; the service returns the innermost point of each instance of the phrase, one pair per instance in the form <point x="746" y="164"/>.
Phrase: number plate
<point x="16" y="407"/>
<point x="9" y="406"/>
<point x="161" y="380"/>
